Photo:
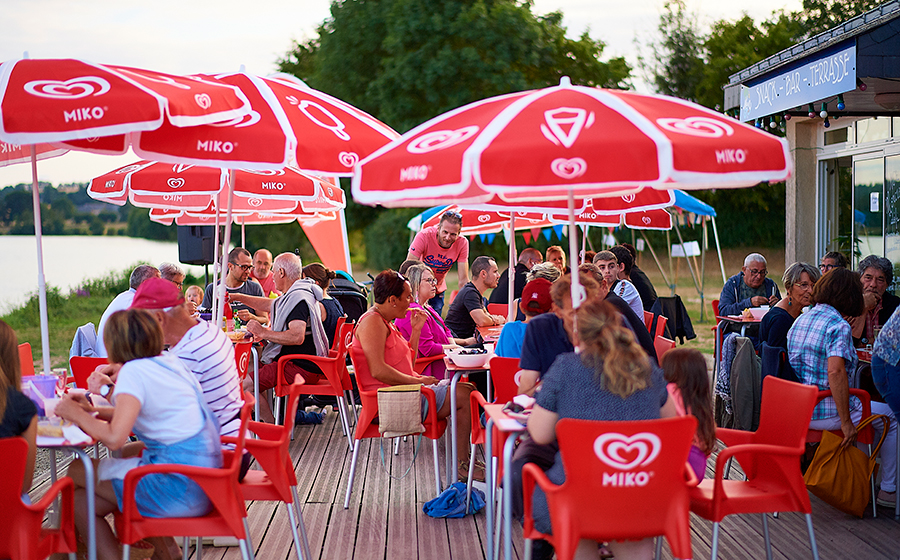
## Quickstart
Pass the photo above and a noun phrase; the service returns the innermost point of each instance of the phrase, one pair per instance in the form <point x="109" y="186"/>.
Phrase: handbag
<point x="840" y="477"/>
<point x="400" y="410"/>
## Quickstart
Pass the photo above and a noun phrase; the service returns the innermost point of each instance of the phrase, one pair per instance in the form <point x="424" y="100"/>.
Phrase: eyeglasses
<point x="754" y="272"/>
<point x="826" y="267"/>
<point x="804" y="285"/>
<point x="244" y="267"/>
<point x="432" y="281"/>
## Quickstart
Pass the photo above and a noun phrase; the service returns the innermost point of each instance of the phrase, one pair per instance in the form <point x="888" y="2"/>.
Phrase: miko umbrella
<point x="43" y="101"/>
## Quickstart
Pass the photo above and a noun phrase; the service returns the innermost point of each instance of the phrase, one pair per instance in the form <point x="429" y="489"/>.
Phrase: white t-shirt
<point x="209" y="354"/>
<point x="626" y="290"/>
<point x="121" y="301"/>
<point x="170" y="411"/>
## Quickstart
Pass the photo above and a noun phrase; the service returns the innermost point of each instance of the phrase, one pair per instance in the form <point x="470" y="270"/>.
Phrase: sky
<point x="192" y="36"/>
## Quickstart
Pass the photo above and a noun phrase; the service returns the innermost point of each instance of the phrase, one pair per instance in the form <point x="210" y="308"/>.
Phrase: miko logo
<point x="110" y="184"/>
<point x="175" y="182"/>
<point x="563" y="125"/>
<point x="217" y="146"/>
<point x="273" y="185"/>
<point x="731" y="156"/>
<point x="625" y="453"/>
<point x="441" y="140"/>
<point x="568" y="168"/>
<point x="414" y="173"/>
<point x="9" y="148"/>
<point x="703" y="127"/>
<point x="76" y="88"/>
<point x="84" y="114"/>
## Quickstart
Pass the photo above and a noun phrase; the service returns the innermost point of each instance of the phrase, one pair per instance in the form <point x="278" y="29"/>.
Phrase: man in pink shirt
<point x="439" y="247"/>
<point x="262" y="271"/>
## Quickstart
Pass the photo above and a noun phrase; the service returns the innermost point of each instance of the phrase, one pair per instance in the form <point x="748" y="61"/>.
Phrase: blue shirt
<point x="817" y="335"/>
<point x="545" y="339"/>
<point x="509" y="345"/>
<point x="887" y="345"/>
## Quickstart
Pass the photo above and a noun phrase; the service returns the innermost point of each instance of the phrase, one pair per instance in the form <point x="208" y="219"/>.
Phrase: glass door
<point x="868" y="206"/>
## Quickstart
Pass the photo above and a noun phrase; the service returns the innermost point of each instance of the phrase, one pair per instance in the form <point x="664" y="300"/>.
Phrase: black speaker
<point x="196" y="244"/>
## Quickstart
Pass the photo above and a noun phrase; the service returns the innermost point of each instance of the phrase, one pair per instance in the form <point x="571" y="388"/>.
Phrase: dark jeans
<point x="437" y="303"/>
<point x="543" y="456"/>
<point x="887" y="381"/>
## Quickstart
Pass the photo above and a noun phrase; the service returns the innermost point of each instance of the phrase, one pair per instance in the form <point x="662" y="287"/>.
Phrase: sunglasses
<point x="452" y="214"/>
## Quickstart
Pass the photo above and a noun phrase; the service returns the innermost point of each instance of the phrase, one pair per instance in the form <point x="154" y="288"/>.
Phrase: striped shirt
<point x="206" y="351"/>
<point x="815" y="336"/>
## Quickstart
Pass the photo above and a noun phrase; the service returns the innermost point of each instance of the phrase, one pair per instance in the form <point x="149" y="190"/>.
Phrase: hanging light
<point x="824" y="112"/>
<point x="787" y="116"/>
<point x="861" y="85"/>
<point x="826" y="124"/>
<point x="772" y="123"/>
<point x="840" y="104"/>
<point x="812" y="111"/>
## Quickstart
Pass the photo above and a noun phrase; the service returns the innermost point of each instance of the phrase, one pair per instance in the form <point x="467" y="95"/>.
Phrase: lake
<point x="70" y="259"/>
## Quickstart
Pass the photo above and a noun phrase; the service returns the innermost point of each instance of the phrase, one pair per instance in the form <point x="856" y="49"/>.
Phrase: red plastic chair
<point x="336" y="383"/>
<point x="498" y="309"/>
<point x="504" y="378"/>
<point x="26" y="360"/>
<point x="715" y="306"/>
<point x="770" y="457"/>
<point x="242" y="358"/>
<point x="643" y="487"/>
<point x="866" y="435"/>
<point x="277" y="482"/>
<point x="503" y="372"/>
<point x="422" y="362"/>
<point x="367" y="427"/>
<point x="82" y="367"/>
<point x="227" y="519"/>
<point x="452" y="297"/>
<point x="21" y="534"/>
<point x="662" y="345"/>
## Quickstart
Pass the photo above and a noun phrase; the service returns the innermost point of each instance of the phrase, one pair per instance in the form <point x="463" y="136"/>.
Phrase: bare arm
<point x="840" y="390"/>
<point x="410" y="256"/>
<point x="372" y="335"/>
<point x="484" y="319"/>
<point x="293" y="336"/>
<point x="462" y="268"/>
<point x="528" y="381"/>
<point x="542" y="425"/>
<point x="262" y="305"/>
<point x="114" y="434"/>
<point x="30" y="436"/>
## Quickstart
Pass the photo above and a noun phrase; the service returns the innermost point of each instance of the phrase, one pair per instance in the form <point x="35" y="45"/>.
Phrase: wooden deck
<point x="385" y="520"/>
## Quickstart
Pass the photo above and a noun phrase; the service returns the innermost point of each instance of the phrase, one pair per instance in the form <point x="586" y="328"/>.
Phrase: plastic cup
<point x="50" y="406"/>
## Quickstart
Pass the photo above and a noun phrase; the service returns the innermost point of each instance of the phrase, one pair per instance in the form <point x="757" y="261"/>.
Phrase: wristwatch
<point x="105" y="390"/>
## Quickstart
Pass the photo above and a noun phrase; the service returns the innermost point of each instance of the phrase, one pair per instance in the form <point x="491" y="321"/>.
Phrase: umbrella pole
<point x="243" y="234"/>
<point x="227" y="240"/>
<point x="658" y="264"/>
<point x="718" y="249"/>
<point x="578" y="294"/>
<point x="703" y="248"/>
<point x="511" y="271"/>
<point x="215" y="281"/>
<point x="688" y="260"/>
<point x="583" y="238"/>
<point x="42" y="286"/>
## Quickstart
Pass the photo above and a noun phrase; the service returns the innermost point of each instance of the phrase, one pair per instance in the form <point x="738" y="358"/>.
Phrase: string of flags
<point x="528" y="235"/>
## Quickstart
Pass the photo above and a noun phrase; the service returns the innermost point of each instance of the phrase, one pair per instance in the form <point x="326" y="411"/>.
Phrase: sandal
<point x="477" y="472"/>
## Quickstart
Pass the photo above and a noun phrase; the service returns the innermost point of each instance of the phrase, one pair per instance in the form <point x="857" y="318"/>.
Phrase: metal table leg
<point x="489" y="491"/>
<point x="454" y="460"/>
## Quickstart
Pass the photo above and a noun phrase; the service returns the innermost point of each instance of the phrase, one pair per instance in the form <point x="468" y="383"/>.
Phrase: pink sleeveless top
<point x="397" y="354"/>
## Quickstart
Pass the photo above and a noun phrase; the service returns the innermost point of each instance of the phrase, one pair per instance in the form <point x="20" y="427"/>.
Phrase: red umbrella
<point x="15" y="153"/>
<point x="53" y="100"/>
<point x="544" y="143"/>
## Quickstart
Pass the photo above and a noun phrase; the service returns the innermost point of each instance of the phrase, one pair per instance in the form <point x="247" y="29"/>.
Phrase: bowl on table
<point x="469" y="357"/>
<point x="759" y="312"/>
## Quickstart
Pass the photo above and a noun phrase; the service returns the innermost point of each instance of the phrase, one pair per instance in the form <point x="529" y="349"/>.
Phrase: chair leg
<point x="812" y="537"/>
<point x="765" y="520"/>
<point x="250" y="551"/>
<point x="658" y="553"/>
<point x="728" y="468"/>
<point x="352" y="406"/>
<point x="396" y="446"/>
<point x="72" y="556"/>
<point x="199" y="548"/>
<point x="302" y="526"/>
<point x="126" y="552"/>
<point x="498" y="523"/>
<point x="345" y="420"/>
<point x="352" y="474"/>
<point x="437" y="468"/>
<point x="185" y="544"/>
<point x="872" y="489"/>
<point x="715" y="541"/>
<point x="471" y="476"/>
<point x="298" y="548"/>
<point x="244" y="546"/>
<point x="448" y="457"/>
<point x="527" y="545"/>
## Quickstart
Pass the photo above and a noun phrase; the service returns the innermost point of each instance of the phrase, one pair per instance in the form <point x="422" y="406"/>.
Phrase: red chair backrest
<point x="503" y="375"/>
<point x="242" y="358"/>
<point x="662" y="345"/>
<point x="336" y="343"/>
<point x="26" y="360"/>
<point x="661" y="326"/>
<point x="648" y="320"/>
<point x="452" y="297"/>
<point x="636" y="469"/>
<point x="82" y="367"/>
<point x="498" y="309"/>
<point x="715" y="306"/>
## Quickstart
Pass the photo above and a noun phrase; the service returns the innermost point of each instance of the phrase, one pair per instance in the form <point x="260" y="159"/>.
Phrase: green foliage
<point x="822" y="15"/>
<point x="677" y="64"/>
<point x="96" y="226"/>
<point x="139" y="225"/>
<point x="406" y="61"/>
<point x="387" y="239"/>
<point x="14" y="204"/>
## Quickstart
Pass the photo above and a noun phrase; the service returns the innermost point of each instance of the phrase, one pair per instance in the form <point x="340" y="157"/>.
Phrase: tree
<point x="821" y="15"/>
<point x="677" y="65"/>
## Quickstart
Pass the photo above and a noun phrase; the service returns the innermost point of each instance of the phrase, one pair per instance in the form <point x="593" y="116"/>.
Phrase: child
<point x="689" y="387"/>
<point x="194" y="296"/>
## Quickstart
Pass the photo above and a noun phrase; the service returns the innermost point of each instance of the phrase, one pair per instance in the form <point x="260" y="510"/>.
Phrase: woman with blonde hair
<point x="18" y="415"/>
<point x="610" y="378"/>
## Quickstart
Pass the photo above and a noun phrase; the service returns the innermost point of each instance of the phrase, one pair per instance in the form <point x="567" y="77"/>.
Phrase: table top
<point x="490" y="334"/>
<point x="453" y="367"/>
<point x="864" y="355"/>
<point x="737" y="319"/>
<point x="502" y="422"/>
<point x="73" y="436"/>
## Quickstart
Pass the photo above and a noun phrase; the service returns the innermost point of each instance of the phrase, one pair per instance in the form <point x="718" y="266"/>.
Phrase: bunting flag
<point x="547" y="233"/>
<point x="526" y="235"/>
<point x="535" y="232"/>
<point x="490" y="237"/>
<point x="482" y="237"/>
<point x="559" y="231"/>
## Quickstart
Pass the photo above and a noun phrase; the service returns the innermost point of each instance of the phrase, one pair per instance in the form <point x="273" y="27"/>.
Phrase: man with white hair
<point x="123" y="301"/>
<point x="296" y="328"/>
<point x="748" y="288"/>
<point x="173" y="273"/>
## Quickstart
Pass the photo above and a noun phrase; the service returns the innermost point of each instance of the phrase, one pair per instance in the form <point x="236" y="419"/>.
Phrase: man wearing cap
<point x="439" y="247"/>
<point x="535" y="301"/>
<point x="237" y="281"/>
<point x="123" y="300"/>
<point x="296" y="329"/>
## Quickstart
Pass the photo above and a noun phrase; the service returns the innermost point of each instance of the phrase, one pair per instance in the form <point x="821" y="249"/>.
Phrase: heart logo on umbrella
<point x="646" y="220"/>
<point x="203" y="100"/>
<point x="483" y="218"/>
<point x="255" y="202"/>
<point x="348" y="159"/>
<point x="568" y="168"/>
<point x="175" y="182"/>
<point x="624" y="453"/>
<point x="76" y="88"/>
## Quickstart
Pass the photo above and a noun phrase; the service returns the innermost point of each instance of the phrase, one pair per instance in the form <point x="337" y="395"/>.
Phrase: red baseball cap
<point x="156" y="293"/>
<point x="536" y="297"/>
